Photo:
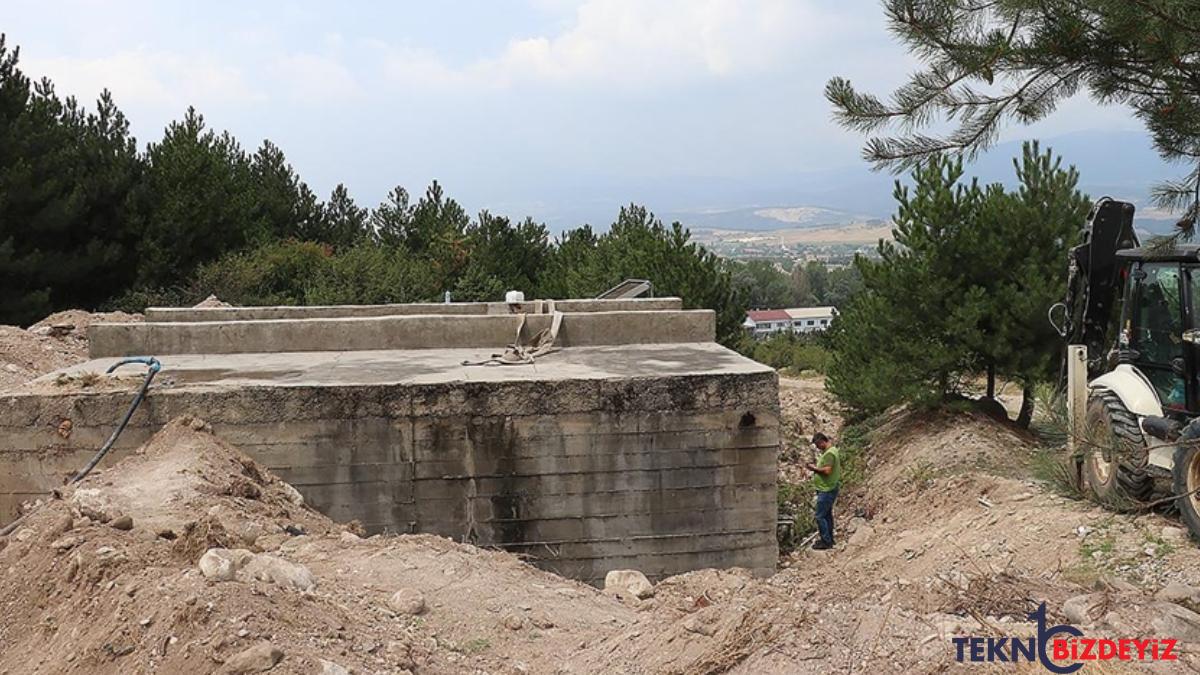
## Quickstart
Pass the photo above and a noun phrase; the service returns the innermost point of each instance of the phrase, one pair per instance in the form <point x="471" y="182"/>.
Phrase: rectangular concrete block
<point x="201" y="314"/>
<point x="414" y="332"/>
<point x="639" y="443"/>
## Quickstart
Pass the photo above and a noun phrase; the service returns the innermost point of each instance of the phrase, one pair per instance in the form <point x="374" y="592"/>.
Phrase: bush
<point x="277" y="273"/>
<point x="305" y="273"/>
<point x="797" y="352"/>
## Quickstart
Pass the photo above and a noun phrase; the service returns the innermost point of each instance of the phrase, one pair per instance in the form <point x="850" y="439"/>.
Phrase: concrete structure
<point x="170" y="314"/>
<point x="639" y="443"/>
<point x="766" y="322"/>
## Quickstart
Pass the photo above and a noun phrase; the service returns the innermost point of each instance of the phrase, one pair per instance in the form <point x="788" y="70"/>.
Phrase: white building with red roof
<point x="764" y="322"/>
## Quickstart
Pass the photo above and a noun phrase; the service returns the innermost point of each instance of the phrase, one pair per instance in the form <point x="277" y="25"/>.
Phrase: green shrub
<point x="276" y="273"/>
<point x="791" y="351"/>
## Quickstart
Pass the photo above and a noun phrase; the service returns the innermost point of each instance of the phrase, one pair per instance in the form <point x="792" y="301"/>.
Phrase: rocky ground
<point x="188" y="557"/>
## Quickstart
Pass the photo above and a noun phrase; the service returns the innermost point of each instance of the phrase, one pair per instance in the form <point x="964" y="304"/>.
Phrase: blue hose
<point x="155" y="366"/>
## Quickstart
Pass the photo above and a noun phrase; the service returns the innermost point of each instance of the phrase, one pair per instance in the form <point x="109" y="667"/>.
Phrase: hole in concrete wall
<point x="747" y="420"/>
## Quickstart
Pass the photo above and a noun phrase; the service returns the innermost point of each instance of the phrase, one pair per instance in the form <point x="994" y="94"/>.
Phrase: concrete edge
<point x="411" y="332"/>
<point x="202" y="314"/>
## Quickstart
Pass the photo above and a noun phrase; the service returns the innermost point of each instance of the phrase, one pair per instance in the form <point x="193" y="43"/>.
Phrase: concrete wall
<point x="171" y="314"/>
<point x="395" y="332"/>
<point x="665" y="474"/>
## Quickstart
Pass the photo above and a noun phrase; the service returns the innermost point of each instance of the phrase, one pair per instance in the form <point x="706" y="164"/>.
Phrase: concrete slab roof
<point x="400" y="367"/>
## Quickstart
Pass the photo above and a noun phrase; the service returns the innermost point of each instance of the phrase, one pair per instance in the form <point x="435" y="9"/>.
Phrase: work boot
<point x="822" y="546"/>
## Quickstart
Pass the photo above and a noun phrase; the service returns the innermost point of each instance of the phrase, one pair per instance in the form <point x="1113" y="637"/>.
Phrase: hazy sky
<point x="519" y="106"/>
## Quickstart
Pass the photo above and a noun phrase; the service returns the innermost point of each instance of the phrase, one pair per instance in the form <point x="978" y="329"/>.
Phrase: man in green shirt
<point x="827" y="478"/>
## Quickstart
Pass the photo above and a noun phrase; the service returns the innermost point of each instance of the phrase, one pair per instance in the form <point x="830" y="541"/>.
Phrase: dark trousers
<point x="825" y="514"/>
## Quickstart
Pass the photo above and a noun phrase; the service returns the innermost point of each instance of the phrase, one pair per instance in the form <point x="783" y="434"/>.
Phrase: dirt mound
<point x="58" y="341"/>
<point x="913" y="447"/>
<point x="211" y="301"/>
<point x="108" y="578"/>
<point x="955" y="543"/>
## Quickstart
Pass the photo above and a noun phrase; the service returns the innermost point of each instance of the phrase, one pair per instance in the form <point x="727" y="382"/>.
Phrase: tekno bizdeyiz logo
<point x="1060" y="649"/>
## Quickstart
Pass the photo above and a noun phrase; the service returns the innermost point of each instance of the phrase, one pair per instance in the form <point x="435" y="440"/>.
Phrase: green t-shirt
<point x="824" y="483"/>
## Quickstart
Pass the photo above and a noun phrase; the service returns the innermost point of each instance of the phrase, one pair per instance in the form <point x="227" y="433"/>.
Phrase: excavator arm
<point x="1086" y="315"/>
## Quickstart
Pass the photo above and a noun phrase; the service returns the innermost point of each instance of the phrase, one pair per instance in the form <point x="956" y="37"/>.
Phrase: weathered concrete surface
<point x="395" y="332"/>
<point x="658" y="457"/>
<point x="170" y="314"/>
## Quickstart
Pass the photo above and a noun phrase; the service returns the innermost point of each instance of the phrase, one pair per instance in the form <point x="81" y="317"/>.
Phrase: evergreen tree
<point x="198" y="201"/>
<point x="391" y="220"/>
<point x="962" y="290"/>
<point x="569" y="271"/>
<point x="503" y="257"/>
<point x="65" y="215"/>
<point x="639" y="246"/>
<point x="344" y="222"/>
<point x="759" y="284"/>
<point x="284" y="206"/>
<point x="1014" y="60"/>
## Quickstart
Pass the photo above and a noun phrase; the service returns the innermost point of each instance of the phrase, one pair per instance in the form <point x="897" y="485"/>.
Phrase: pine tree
<point x="284" y="206"/>
<point x="66" y="237"/>
<point x="988" y="63"/>
<point x="344" y="222"/>
<point x="962" y="290"/>
<point x="198" y="201"/>
<point x="758" y="284"/>
<point x="391" y="220"/>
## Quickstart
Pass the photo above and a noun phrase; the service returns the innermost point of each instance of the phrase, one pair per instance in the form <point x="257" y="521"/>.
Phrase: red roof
<point x="768" y="315"/>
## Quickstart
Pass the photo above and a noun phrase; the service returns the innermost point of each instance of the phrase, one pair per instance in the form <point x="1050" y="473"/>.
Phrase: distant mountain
<point x="758" y="219"/>
<point x="1120" y="164"/>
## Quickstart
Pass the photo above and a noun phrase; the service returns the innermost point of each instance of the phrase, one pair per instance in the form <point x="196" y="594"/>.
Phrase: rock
<point x="280" y="572"/>
<point x="407" y="601"/>
<point x="1174" y="534"/>
<point x="292" y="494"/>
<point x="257" y="659"/>
<point x="225" y="564"/>
<point x="1177" y="592"/>
<point x="12" y="368"/>
<point x="349" y="538"/>
<point x="861" y="536"/>
<point x="855" y="523"/>
<point x="222" y="564"/>
<point x="1176" y="622"/>
<point x="1078" y="609"/>
<point x="331" y="668"/>
<point x="628" y="582"/>
<point x="92" y="503"/>
<point x="25" y="534"/>
<point x="121" y="523"/>
<point x="1121" y="585"/>
<point x="66" y="543"/>
<point x="701" y="625"/>
<point x="514" y="622"/>
<point x="58" y="527"/>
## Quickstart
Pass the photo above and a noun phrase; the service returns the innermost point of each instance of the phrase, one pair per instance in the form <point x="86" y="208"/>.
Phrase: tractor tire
<point x="1114" y="452"/>
<point x="1185" y="474"/>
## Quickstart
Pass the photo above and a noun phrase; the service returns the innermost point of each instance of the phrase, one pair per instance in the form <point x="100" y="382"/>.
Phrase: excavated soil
<point x="948" y="534"/>
<point x="80" y="595"/>
<point x="58" y="341"/>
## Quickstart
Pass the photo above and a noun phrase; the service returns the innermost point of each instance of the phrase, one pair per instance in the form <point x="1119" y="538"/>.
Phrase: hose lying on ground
<point x="155" y="366"/>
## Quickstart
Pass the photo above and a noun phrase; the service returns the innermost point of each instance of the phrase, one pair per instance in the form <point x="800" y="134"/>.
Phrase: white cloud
<point x="314" y="77"/>
<point x="634" y="43"/>
<point x="142" y="77"/>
